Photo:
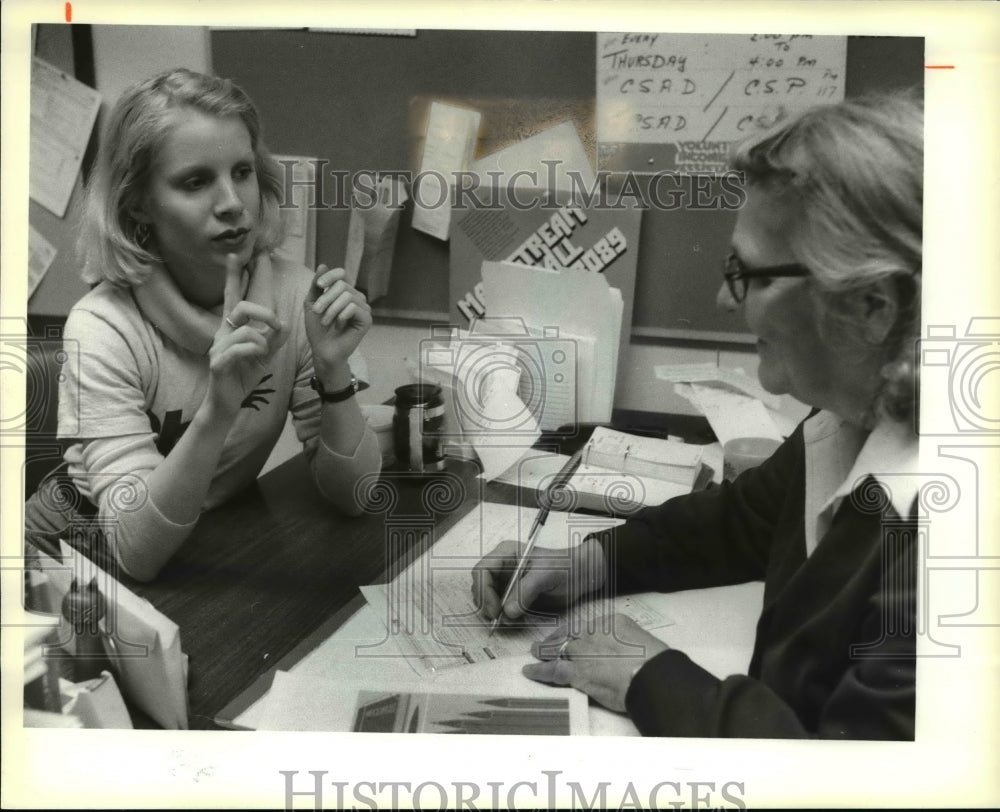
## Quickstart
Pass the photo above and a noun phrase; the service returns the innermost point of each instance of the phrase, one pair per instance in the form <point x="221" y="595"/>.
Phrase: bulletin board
<point x="361" y="101"/>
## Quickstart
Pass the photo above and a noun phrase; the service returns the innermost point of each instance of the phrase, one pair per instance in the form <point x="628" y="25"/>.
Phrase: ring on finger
<point x="231" y="323"/>
<point x="561" y="653"/>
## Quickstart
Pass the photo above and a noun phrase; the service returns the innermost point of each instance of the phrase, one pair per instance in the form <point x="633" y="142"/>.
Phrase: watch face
<point x="334" y="397"/>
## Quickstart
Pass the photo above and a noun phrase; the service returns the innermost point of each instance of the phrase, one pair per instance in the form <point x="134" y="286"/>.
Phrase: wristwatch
<point x="341" y="394"/>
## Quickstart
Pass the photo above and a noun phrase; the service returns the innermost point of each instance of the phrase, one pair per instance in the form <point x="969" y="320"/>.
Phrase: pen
<point x="559" y="482"/>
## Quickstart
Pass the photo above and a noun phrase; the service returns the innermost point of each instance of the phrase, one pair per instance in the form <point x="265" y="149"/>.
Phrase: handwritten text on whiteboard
<point x="701" y="92"/>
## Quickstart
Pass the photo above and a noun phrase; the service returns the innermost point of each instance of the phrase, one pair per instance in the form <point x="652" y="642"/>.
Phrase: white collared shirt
<point x="838" y="455"/>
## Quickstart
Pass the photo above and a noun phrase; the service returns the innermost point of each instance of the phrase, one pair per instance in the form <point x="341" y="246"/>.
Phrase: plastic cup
<point x="744" y="453"/>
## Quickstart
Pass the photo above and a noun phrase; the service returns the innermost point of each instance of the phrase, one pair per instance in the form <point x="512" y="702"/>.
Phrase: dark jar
<point x="417" y="426"/>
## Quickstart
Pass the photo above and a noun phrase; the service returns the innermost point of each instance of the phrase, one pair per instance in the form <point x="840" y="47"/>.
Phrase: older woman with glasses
<point x="826" y="264"/>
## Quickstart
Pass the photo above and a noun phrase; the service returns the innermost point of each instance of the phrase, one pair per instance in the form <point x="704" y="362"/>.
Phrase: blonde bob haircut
<point x="852" y="173"/>
<point x="111" y="244"/>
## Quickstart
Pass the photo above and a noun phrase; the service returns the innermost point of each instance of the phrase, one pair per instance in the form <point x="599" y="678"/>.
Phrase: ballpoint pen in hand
<point x="558" y="483"/>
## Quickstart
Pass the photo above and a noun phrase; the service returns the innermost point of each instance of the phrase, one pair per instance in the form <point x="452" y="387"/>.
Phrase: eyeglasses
<point x="736" y="274"/>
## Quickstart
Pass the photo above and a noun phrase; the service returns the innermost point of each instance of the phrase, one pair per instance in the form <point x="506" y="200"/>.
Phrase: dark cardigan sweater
<point x="834" y="655"/>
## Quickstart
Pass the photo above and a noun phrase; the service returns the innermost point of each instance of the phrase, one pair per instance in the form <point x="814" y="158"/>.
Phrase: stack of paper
<point x="570" y="315"/>
<point x="428" y="610"/>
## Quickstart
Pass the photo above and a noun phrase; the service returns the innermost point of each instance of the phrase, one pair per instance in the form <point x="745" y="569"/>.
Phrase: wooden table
<point x="262" y="572"/>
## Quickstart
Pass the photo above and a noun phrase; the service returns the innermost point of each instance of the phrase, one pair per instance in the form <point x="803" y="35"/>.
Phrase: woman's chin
<point x="772" y="380"/>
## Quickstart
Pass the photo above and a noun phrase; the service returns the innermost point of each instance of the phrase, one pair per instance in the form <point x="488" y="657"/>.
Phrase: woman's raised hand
<point x="336" y="317"/>
<point x="247" y="338"/>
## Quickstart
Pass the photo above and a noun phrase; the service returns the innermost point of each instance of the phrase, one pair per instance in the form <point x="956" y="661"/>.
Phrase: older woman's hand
<point x="552" y="580"/>
<point x="600" y="662"/>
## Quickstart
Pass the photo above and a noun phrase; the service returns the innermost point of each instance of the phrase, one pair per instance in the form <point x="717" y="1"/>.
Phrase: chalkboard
<point x="360" y="102"/>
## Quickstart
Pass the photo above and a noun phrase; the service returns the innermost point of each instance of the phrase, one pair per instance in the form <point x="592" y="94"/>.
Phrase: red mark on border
<point x="69" y="12"/>
<point x="934" y="67"/>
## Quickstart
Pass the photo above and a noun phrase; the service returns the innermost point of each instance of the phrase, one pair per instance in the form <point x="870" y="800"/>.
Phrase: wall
<point x="124" y="54"/>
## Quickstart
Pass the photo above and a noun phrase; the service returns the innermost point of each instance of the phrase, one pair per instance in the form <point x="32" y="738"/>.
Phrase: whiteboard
<point x="689" y="96"/>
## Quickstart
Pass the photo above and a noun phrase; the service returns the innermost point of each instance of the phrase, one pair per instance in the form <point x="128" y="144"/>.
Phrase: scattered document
<point x="552" y="159"/>
<point x="303" y="703"/>
<point x="730" y="414"/>
<point x="371" y="237"/>
<point x="63" y="112"/>
<point x="534" y="470"/>
<point x="710" y="373"/>
<point x="428" y="609"/>
<point x="41" y="253"/>
<point x="452" y="133"/>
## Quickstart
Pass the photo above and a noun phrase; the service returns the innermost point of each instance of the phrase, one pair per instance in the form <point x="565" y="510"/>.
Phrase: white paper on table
<point x="63" y="112"/>
<point x="700" y="373"/>
<point x="731" y="415"/>
<point x="499" y="400"/>
<point x="40" y="255"/>
<point x="450" y="142"/>
<point x="534" y="469"/>
<point x="428" y="609"/>
<point x="547" y="160"/>
<point x="308" y="703"/>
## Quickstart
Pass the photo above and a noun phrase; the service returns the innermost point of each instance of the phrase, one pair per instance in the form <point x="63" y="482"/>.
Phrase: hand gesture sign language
<point x="336" y="317"/>
<point x="248" y="336"/>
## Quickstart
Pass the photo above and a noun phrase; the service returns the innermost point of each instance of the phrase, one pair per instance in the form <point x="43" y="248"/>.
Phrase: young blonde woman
<point x="199" y="338"/>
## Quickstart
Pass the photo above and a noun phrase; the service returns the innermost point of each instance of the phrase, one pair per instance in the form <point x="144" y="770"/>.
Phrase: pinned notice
<point x="63" y="112"/>
<point x="552" y="159"/>
<point x="41" y="253"/>
<point x="451" y="138"/>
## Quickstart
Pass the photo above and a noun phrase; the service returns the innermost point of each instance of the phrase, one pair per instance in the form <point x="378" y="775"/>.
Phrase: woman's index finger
<point x="234" y="278"/>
